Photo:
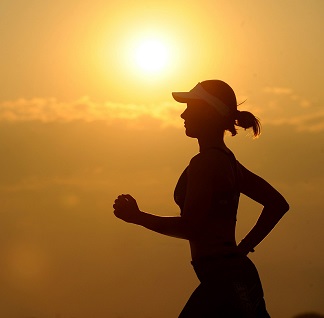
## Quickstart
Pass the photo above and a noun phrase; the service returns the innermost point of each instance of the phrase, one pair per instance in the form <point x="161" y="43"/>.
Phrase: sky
<point x="85" y="115"/>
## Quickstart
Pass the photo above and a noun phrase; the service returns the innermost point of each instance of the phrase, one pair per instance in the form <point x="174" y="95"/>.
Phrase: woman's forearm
<point x="167" y="225"/>
<point x="268" y="219"/>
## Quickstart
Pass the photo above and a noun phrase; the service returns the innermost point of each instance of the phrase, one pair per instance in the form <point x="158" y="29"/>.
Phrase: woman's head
<point x="216" y="100"/>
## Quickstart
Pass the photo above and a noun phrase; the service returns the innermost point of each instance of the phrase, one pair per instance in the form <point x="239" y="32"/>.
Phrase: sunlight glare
<point x="151" y="55"/>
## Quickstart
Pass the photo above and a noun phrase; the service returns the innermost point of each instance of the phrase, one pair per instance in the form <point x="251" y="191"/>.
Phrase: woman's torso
<point x="218" y="236"/>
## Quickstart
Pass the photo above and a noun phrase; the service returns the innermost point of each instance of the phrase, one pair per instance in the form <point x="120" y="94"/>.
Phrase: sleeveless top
<point x="225" y="201"/>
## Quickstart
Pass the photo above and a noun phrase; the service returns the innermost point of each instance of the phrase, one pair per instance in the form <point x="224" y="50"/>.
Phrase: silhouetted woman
<point x="208" y="195"/>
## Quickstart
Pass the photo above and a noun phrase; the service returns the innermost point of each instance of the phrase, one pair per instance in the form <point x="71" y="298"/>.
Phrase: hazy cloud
<point x="283" y="106"/>
<point x="278" y="106"/>
<point x="278" y="90"/>
<point x="50" y="110"/>
<point x="307" y="122"/>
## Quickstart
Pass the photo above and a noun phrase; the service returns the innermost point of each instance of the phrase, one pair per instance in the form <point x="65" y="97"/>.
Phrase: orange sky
<point x="81" y="123"/>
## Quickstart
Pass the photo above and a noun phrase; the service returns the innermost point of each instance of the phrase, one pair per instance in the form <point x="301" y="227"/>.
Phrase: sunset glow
<point x="86" y="114"/>
<point x="151" y="55"/>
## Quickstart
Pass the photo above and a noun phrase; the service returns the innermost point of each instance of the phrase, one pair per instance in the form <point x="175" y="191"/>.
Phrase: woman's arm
<point x="204" y="178"/>
<point x="174" y="226"/>
<point x="274" y="207"/>
<point x="126" y="208"/>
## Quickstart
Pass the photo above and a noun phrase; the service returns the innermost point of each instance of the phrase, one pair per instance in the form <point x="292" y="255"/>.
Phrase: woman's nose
<point x="183" y="115"/>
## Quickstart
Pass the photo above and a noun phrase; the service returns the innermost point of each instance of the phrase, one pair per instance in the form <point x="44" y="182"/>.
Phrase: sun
<point x="151" y="55"/>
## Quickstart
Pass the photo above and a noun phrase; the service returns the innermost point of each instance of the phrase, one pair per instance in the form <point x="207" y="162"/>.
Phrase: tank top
<point x="227" y="201"/>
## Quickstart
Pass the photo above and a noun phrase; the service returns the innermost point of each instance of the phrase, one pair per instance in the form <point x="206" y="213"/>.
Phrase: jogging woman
<point x="208" y="194"/>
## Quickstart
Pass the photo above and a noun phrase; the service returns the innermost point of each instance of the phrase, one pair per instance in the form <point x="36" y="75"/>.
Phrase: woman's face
<point x="199" y="119"/>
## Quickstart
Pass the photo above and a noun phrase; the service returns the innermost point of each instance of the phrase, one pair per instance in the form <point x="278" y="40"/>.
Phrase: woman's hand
<point x="244" y="248"/>
<point x="126" y="208"/>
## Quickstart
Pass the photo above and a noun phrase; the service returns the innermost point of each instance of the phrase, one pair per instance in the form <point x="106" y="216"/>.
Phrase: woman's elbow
<point x="280" y="205"/>
<point x="283" y="205"/>
<point x="286" y="206"/>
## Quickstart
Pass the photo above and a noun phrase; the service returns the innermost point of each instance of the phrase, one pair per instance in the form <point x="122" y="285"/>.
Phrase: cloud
<point x="283" y="106"/>
<point x="278" y="106"/>
<point x="278" y="90"/>
<point x="51" y="110"/>
<point x="307" y="122"/>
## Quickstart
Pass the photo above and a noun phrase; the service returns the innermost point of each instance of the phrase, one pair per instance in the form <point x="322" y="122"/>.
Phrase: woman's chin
<point x="190" y="134"/>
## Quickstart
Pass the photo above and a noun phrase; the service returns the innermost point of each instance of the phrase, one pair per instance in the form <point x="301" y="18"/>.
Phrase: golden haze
<point x="81" y="123"/>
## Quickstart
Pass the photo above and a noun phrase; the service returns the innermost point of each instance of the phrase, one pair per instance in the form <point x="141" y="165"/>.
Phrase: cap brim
<point x="183" y="97"/>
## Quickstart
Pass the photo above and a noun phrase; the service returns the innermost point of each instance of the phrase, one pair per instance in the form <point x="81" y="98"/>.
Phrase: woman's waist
<point x="212" y="250"/>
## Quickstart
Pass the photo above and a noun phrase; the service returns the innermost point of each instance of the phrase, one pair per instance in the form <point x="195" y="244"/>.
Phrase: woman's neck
<point x="215" y="142"/>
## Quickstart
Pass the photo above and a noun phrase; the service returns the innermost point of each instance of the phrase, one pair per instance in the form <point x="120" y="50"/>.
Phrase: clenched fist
<point x="126" y="208"/>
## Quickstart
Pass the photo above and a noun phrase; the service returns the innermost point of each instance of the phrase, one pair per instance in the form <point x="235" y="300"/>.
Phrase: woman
<point x="208" y="194"/>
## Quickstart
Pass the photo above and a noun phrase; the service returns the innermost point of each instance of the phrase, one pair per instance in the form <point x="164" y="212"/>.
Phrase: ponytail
<point x="247" y="120"/>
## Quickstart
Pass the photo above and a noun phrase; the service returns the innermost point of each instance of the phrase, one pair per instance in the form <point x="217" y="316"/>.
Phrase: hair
<point x="237" y="118"/>
<point x="246" y="120"/>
